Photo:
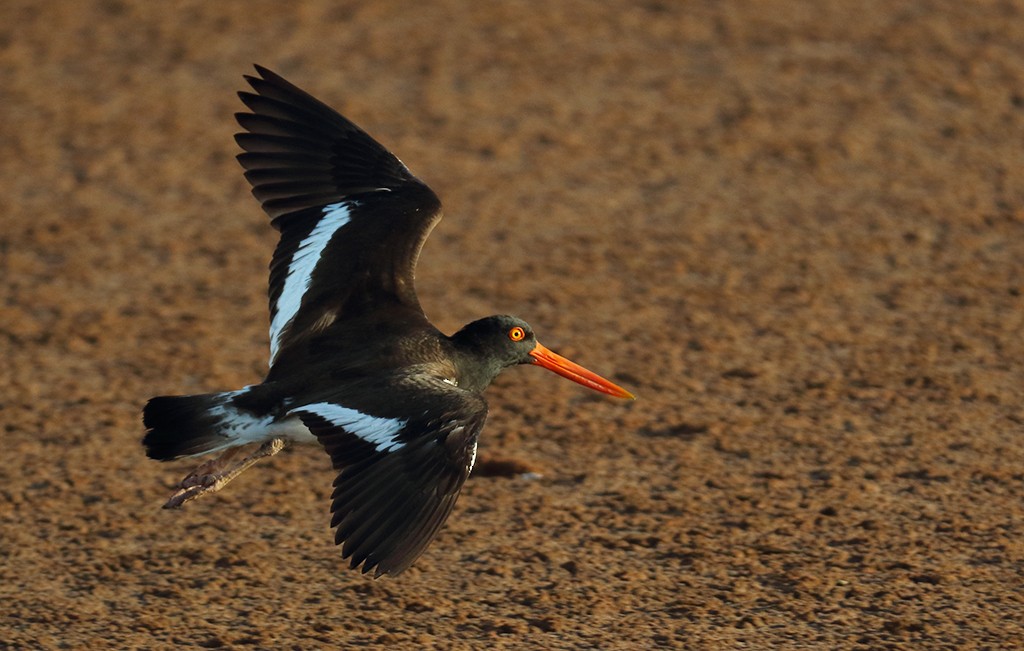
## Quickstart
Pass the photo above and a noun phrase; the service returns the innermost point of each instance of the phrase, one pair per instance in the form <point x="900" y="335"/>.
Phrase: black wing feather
<point x="286" y="120"/>
<point x="301" y="156"/>
<point x="387" y="506"/>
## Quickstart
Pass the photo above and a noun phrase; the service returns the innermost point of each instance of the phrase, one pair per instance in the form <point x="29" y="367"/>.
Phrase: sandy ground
<point x="794" y="229"/>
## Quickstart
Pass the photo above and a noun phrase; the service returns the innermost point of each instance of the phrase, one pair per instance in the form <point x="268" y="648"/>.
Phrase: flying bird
<point x="354" y="363"/>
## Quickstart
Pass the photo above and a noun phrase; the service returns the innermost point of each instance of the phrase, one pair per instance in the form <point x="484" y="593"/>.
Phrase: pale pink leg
<point x="215" y="474"/>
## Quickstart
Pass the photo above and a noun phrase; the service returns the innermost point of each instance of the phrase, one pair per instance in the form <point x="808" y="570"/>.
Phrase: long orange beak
<point x="554" y="362"/>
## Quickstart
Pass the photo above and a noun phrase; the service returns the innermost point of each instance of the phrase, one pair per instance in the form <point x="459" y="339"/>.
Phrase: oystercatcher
<point x="354" y="363"/>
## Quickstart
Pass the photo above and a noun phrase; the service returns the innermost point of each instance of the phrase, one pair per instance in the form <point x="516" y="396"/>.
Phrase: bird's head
<point x="501" y="341"/>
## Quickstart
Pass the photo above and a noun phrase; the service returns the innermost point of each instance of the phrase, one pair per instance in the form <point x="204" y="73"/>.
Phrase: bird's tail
<point x="188" y="426"/>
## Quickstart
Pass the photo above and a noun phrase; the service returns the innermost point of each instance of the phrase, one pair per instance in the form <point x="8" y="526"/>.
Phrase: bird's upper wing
<point x="352" y="217"/>
<point x="403" y="452"/>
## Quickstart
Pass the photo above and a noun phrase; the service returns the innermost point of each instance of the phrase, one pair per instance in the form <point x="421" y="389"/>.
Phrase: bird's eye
<point x="516" y="334"/>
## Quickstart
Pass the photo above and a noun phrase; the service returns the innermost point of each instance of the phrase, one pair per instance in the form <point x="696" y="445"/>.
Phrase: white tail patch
<point x="381" y="432"/>
<point x="300" y="270"/>
<point x="239" y="427"/>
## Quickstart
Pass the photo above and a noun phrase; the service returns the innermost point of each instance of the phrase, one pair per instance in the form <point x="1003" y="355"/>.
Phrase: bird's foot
<point x="215" y="474"/>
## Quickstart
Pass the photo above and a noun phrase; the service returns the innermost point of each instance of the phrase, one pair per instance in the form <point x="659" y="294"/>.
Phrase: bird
<point x="355" y="365"/>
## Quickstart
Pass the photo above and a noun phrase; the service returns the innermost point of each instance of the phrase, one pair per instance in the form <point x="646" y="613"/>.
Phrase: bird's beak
<point x="554" y="362"/>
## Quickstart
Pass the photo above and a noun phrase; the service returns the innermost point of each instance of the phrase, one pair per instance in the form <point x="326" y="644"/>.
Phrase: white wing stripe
<point x="300" y="270"/>
<point x="381" y="432"/>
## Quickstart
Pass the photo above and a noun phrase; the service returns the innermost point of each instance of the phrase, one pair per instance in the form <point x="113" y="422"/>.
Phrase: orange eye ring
<point x="516" y="334"/>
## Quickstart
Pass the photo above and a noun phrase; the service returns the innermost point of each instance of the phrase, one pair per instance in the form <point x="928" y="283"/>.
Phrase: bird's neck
<point x="476" y="369"/>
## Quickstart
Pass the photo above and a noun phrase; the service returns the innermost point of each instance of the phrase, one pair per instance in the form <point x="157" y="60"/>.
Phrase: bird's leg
<point x="215" y="474"/>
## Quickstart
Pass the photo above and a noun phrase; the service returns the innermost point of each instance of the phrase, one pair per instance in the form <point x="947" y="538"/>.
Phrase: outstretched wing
<point x="352" y="217"/>
<point x="399" y="475"/>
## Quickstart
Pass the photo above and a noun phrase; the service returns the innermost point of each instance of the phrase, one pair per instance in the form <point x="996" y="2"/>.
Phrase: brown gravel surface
<point x="794" y="229"/>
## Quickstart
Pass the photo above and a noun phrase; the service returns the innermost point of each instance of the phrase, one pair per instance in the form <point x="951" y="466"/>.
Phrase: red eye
<point x="516" y="334"/>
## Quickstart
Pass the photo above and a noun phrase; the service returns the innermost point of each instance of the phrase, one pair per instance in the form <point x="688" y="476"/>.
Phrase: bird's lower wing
<point x="403" y="455"/>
